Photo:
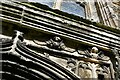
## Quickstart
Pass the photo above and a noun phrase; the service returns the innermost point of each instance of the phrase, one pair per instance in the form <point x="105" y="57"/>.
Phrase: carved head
<point x="94" y="50"/>
<point x="56" y="38"/>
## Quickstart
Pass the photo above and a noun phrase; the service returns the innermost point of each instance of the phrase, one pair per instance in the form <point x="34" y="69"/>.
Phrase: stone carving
<point x="55" y="43"/>
<point x="117" y="63"/>
<point x="17" y="36"/>
<point x="92" y="70"/>
<point x="94" y="54"/>
<point x="71" y="64"/>
<point x="4" y="40"/>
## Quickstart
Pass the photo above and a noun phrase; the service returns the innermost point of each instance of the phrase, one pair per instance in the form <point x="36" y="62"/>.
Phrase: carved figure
<point x="92" y="54"/>
<point x="55" y="43"/>
<point x="93" y="67"/>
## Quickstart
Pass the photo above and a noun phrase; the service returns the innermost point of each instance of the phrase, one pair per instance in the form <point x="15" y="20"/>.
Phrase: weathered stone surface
<point x="75" y="51"/>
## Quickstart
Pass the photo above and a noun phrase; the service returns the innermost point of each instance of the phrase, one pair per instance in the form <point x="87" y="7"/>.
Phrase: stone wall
<point x="75" y="50"/>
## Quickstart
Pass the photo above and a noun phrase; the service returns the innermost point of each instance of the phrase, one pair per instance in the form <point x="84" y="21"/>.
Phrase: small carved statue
<point x="18" y="36"/>
<point x="94" y="52"/>
<point x="55" y="43"/>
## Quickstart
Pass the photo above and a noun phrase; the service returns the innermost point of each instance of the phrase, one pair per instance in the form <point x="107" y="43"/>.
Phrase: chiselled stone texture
<point x="57" y="45"/>
<point x="21" y="54"/>
<point x="23" y="63"/>
<point x="76" y="28"/>
<point x="103" y="11"/>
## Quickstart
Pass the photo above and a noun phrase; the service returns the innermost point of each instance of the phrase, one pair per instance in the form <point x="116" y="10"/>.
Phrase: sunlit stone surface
<point x="43" y="40"/>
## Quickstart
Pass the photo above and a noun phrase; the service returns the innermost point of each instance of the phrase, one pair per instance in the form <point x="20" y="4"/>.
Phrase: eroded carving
<point x="117" y="63"/>
<point x="93" y="70"/>
<point x="17" y="36"/>
<point x="55" y="43"/>
<point x="91" y="64"/>
<point x="71" y="64"/>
